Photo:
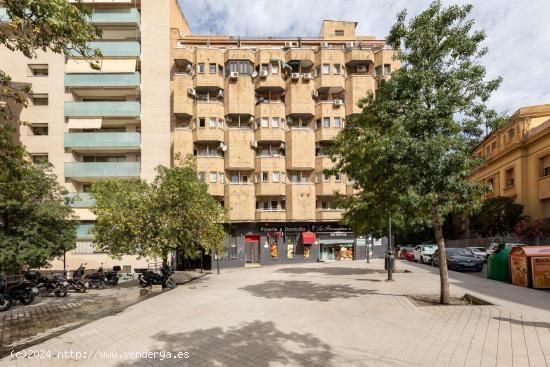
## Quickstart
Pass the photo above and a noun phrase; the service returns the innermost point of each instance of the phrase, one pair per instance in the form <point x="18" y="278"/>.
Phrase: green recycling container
<point x="498" y="265"/>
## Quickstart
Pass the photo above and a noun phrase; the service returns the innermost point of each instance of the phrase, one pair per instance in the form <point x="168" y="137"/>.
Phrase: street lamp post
<point x="390" y="250"/>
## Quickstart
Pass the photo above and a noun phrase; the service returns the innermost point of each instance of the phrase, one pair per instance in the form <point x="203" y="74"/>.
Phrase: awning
<point x="85" y="123"/>
<point x="286" y="66"/>
<point x="308" y="238"/>
<point x="251" y="238"/>
<point x="82" y="66"/>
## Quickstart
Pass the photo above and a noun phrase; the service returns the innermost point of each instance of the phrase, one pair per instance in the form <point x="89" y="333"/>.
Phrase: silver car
<point x="423" y="253"/>
<point x="478" y="252"/>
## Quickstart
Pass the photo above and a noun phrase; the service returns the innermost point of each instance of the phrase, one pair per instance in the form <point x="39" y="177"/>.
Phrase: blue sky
<point x="518" y="35"/>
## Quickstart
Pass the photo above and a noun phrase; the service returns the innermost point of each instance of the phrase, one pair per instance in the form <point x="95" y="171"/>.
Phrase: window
<point x="326" y="68"/>
<point x="233" y="248"/>
<point x="294" y="178"/>
<point x="276" y="176"/>
<point x="510" y="177"/>
<point x="387" y="68"/>
<point x="544" y="166"/>
<point x="325" y="177"/>
<point x="202" y="122"/>
<point x="304" y="178"/>
<point x="275" y="68"/>
<point x="337" y="177"/>
<point x="265" y="121"/>
<point x="213" y="122"/>
<point x="213" y="177"/>
<point x="200" y="68"/>
<point x="220" y="72"/>
<point x="326" y="122"/>
<point x="86" y="187"/>
<point x="336" y="69"/>
<point x="40" y="99"/>
<point x="339" y="33"/>
<point x="244" y="179"/>
<point x="245" y="67"/>
<point x="317" y="71"/>
<point x="274" y="122"/>
<point x="38" y="69"/>
<point x="511" y="134"/>
<point x="201" y="176"/>
<point x="235" y="178"/>
<point x="222" y="177"/>
<point x="317" y="177"/>
<point x="233" y="67"/>
<point x="324" y="205"/>
<point x="221" y="123"/>
<point x="265" y="176"/>
<point x="265" y="68"/>
<point x="378" y="71"/>
<point x="39" y="158"/>
<point x="92" y="158"/>
<point x="318" y="123"/>
<point x="337" y="122"/>
<point x="212" y="68"/>
<point x="39" y="129"/>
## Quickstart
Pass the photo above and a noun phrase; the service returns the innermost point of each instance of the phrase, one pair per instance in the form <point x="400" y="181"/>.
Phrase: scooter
<point x="150" y="277"/>
<point x="23" y="291"/>
<point x="101" y="278"/>
<point x="5" y="299"/>
<point x="47" y="285"/>
<point x="76" y="284"/>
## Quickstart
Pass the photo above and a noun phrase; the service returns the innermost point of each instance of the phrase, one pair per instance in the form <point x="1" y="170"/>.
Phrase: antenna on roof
<point x="239" y="41"/>
<point x="299" y="41"/>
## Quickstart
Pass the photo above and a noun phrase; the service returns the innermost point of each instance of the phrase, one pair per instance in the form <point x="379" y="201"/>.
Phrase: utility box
<point x="530" y="266"/>
<point x="498" y="267"/>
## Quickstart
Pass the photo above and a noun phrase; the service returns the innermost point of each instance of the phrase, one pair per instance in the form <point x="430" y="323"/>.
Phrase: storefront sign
<point x="540" y="267"/>
<point x="329" y="228"/>
<point x="286" y="229"/>
<point x="377" y="242"/>
<point x="339" y="234"/>
<point x="361" y="242"/>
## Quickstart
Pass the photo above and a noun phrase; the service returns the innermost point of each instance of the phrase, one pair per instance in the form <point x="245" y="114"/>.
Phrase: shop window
<point x="290" y="247"/>
<point x="273" y="243"/>
<point x="233" y="248"/>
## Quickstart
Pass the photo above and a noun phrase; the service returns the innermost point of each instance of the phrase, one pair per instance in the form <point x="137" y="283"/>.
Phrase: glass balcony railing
<point x="88" y="170"/>
<point x="116" y="16"/>
<point x="102" y="109"/>
<point x="79" y="200"/>
<point x="102" y="140"/>
<point x="83" y="230"/>
<point x="114" y="48"/>
<point x="102" y="80"/>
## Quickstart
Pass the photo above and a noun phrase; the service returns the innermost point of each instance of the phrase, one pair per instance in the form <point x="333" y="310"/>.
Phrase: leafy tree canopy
<point x="174" y="212"/>
<point x="497" y="217"/>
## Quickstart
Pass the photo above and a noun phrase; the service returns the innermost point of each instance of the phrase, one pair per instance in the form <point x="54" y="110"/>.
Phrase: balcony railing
<point x="113" y="48"/>
<point x="80" y="200"/>
<point x="103" y="109"/>
<point x="103" y="140"/>
<point x="102" y="80"/>
<point x="83" y="230"/>
<point x="116" y="16"/>
<point x="92" y="170"/>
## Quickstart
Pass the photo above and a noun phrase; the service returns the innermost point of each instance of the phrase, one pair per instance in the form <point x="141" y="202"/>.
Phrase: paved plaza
<point x="326" y="314"/>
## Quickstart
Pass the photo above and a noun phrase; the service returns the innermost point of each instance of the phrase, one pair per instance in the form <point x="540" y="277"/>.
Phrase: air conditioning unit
<point x="289" y="44"/>
<point x="295" y="75"/>
<point x="338" y="102"/>
<point x="350" y="44"/>
<point x="189" y="68"/>
<point x="263" y="73"/>
<point x="251" y="119"/>
<point x="254" y="74"/>
<point x="324" y="44"/>
<point x="282" y="146"/>
<point x="191" y="92"/>
<point x="314" y="93"/>
<point x="223" y="147"/>
<point x="180" y="44"/>
<point x="253" y="143"/>
<point x="220" y="93"/>
<point x="308" y="76"/>
<point x="362" y="68"/>
<point x="262" y="99"/>
<point x="234" y="74"/>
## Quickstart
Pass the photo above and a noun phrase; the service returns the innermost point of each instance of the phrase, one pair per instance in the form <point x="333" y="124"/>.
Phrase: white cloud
<point x="518" y="36"/>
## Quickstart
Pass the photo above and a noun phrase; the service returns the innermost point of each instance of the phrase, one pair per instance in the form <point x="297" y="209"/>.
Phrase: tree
<point x="35" y="223"/>
<point x="497" y="217"/>
<point x="410" y="150"/>
<point x="174" y="212"/>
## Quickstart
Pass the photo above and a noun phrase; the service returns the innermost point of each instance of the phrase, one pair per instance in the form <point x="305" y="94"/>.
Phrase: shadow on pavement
<point x="331" y="271"/>
<point x="252" y="344"/>
<point x="303" y="290"/>
<point x="539" y="324"/>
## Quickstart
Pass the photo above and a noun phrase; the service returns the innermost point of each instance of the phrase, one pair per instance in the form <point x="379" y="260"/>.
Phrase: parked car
<point x="459" y="259"/>
<point x="423" y="253"/>
<point x="407" y="253"/>
<point x="478" y="252"/>
<point x="494" y="246"/>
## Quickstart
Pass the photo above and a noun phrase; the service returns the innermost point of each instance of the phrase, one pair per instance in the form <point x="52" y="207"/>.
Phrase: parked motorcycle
<point x="23" y="291"/>
<point x="163" y="278"/>
<point x="101" y="278"/>
<point x="5" y="299"/>
<point x="47" y="285"/>
<point x="76" y="284"/>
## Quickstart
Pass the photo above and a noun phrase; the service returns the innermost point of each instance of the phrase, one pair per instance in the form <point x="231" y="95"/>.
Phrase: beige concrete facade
<point x="518" y="160"/>
<point x="271" y="106"/>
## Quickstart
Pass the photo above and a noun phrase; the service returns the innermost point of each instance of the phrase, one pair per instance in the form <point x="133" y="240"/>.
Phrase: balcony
<point x="125" y="17"/>
<point x="330" y="83"/>
<point x="357" y="87"/>
<point x="83" y="231"/>
<point x="113" y="48"/>
<point x="239" y="96"/>
<point x="207" y="109"/>
<point x="241" y="202"/>
<point x="275" y="215"/>
<point x="87" y="171"/>
<point x="300" y="149"/>
<point x="208" y="134"/>
<point x="239" y="154"/>
<point x="184" y="54"/>
<point x="303" y="56"/>
<point x="300" y="203"/>
<point x="323" y="162"/>
<point x="182" y="102"/>
<point x="102" y="80"/>
<point x="271" y="82"/>
<point x="544" y="187"/>
<point x="359" y="56"/>
<point x="270" y="188"/>
<point x="329" y="188"/>
<point x="270" y="164"/>
<point x="103" y="141"/>
<point x="333" y="215"/>
<point x="209" y="81"/>
<point x="298" y="98"/>
<point x="80" y="200"/>
<point x="182" y="139"/>
<point x="102" y="109"/>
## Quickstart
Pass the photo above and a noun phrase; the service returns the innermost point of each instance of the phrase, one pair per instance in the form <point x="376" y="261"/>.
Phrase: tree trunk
<point x="443" y="272"/>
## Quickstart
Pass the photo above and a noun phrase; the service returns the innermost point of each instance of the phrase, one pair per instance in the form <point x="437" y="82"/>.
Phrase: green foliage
<point x="497" y="217"/>
<point x="35" y="224"/>
<point x="174" y="212"/>
<point x="528" y="228"/>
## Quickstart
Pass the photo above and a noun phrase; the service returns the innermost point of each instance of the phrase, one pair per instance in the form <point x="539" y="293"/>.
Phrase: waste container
<point x="530" y="266"/>
<point x="498" y="267"/>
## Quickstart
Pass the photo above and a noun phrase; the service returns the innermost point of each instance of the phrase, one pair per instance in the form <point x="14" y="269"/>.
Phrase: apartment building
<point x="113" y="122"/>
<point x="258" y="115"/>
<point x="518" y="160"/>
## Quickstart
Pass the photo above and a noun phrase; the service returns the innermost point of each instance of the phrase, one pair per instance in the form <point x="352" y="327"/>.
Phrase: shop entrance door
<point x="252" y="249"/>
